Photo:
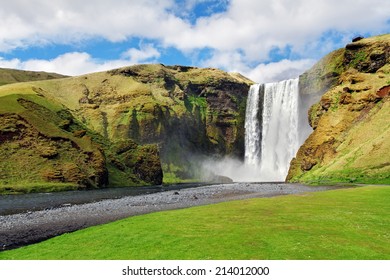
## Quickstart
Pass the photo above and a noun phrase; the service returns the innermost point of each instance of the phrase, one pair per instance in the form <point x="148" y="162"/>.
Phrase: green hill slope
<point x="351" y="122"/>
<point x="114" y="128"/>
<point x="10" y="76"/>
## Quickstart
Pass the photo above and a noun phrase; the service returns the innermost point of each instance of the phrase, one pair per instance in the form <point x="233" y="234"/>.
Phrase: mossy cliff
<point x="351" y="121"/>
<point x="190" y="112"/>
<point x="118" y="128"/>
<point x="44" y="148"/>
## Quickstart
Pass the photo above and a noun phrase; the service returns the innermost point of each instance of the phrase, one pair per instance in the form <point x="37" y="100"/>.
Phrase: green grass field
<point x="341" y="224"/>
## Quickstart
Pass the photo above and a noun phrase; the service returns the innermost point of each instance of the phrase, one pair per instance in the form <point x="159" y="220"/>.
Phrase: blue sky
<point x="266" y="40"/>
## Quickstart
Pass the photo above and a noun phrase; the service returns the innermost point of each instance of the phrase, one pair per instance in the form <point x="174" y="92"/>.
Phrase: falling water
<point x="271" y="129"/>
<point x="252" y="126"/>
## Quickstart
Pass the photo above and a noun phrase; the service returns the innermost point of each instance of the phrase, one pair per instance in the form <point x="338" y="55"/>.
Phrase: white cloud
<point x="258" y="26"/>
<point x="232" y="60"/>
<point x="262" y="72"/>
<point x="13" y="63"/>
<point x="278" y="71"/>
<point x="144" y="54"/>
<point x="25" y="23"/>
<point x="253" y="26"/>
<point x="77" y="63"/>
<point x="239" y="37"/>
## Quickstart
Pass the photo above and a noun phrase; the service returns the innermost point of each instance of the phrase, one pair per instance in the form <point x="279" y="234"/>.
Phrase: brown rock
<point x="48" y="152"/>
<point x="345" y="99"/>
<point x="347" y="89"/>
<point x="383" y="92"/>
<point x="79" y="133"/>
<point x="308" y="164"/>
<point x="325" y="103"/>
<point x="358" y="38"/>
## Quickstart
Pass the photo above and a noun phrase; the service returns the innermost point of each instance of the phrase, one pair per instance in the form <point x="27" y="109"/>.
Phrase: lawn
<point x="349" y="223"/>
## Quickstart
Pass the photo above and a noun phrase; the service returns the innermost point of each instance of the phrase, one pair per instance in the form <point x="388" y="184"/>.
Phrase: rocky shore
<point x="34" y="226"/>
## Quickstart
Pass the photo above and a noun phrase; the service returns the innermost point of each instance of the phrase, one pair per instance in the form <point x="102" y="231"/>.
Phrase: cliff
<point x="124" y="127"/>
<point x="351" y="119"/>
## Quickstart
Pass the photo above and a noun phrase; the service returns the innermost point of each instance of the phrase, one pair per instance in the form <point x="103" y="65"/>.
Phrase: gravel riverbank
<point x="34" y="226"/>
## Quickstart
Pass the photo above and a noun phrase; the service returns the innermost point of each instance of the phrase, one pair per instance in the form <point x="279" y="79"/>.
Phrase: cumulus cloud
<point x="77" y="63"/>
<point x="240" y="33"/>
<point x="246" y="24"/>
<point x="26" y="23"/>
<point x="143" y="54"/>
<point x="261" y="72"/>
<point x="278" y="71"/>
<point x="256" y="27"/>
<point x="233" y="60"/>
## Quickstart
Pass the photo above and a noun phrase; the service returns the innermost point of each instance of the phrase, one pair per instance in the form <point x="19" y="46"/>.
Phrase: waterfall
<point x="253" y="127"/>
<point x="271" y="129"/>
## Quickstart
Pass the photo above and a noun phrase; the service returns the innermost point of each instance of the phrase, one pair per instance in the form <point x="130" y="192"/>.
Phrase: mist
<point x="232" y="168"/>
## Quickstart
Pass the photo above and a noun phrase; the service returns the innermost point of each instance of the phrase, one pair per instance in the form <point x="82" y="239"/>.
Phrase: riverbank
<point x="33" y="226"/>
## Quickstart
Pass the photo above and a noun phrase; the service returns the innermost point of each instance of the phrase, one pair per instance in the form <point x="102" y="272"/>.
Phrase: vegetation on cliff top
<point x="351" y="122"/>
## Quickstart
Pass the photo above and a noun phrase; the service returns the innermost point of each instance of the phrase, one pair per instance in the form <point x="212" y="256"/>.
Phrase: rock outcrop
<point x="351" y="119"/>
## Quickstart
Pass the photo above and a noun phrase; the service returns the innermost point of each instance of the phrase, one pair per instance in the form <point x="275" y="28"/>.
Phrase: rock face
<point x="199" y="110"/>
<point x="351" y="119"/>
<point x="119" y="128"/>
<point x="44" y="148"/>
<point x="38" y="149"/>
<point x="188" y="112"/>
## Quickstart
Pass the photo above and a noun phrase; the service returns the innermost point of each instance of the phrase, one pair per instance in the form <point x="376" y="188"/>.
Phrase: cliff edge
<point x="351" y="120"/>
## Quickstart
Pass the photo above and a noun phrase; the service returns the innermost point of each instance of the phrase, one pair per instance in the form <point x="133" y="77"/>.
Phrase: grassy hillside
<point x="9" y="76"/>
<point x="351" y="122"/>
<point x="133" y="117"/>
<point x="44" y="148"/>
<point x="341" y="224"/>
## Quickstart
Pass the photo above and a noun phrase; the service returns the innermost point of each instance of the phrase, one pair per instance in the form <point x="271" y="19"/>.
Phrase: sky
<point x="265" y="40"/>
